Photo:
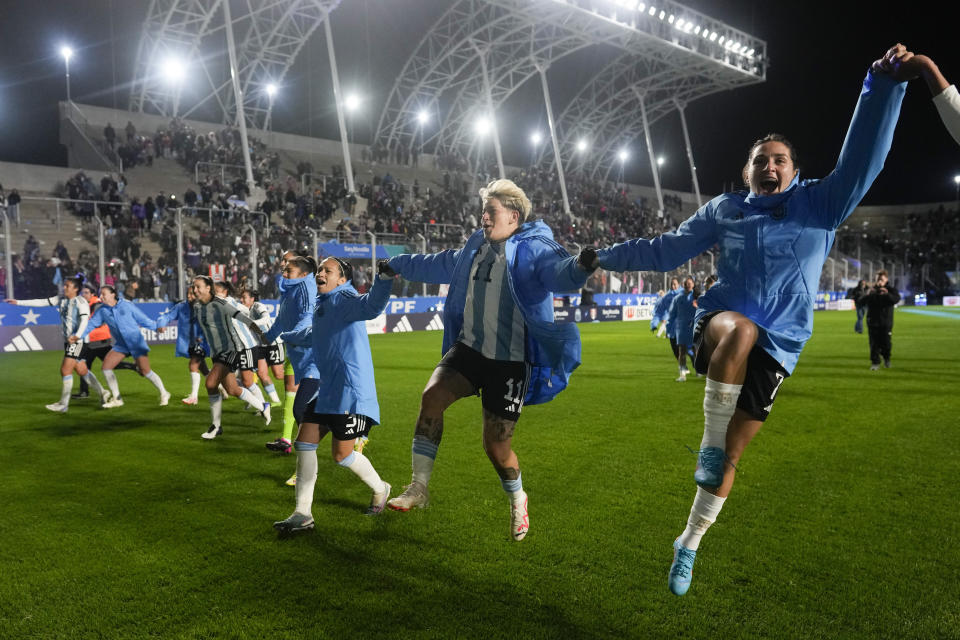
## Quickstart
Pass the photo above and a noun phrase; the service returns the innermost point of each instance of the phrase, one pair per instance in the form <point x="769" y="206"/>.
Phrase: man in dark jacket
<point x="855" y="294"/>
<point x="879" y="301"/>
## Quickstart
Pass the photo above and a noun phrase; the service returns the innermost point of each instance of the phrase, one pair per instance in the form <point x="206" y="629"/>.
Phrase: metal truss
<point x="269" y="33"/>
<point x="664" y="50"/>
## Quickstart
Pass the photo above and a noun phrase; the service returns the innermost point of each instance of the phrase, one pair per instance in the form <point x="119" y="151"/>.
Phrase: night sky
<point x="817" y="61"/>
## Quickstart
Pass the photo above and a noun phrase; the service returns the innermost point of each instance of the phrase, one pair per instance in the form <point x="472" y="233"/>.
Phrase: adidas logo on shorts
<point x="26" y="341"/>
<point x="403" y="326"/>
<point x="436" y="324"/>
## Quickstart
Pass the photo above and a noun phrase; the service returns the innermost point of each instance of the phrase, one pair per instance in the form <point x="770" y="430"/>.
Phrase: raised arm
<point x="556" y="269"/>
<point x="143" y="319"/>
<point x="369" y="305"/>
<point x="35" y="302"/>
<point x="432" y="268"/>
<point x="665" y="252"/>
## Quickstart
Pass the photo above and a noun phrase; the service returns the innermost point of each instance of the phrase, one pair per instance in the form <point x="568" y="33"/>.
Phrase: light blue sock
<point x="513" y="487"/>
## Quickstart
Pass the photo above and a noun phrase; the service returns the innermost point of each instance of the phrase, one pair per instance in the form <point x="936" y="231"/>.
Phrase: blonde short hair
<point x="510" y="196"/>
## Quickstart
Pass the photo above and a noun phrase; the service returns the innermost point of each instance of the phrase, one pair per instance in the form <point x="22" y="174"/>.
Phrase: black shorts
<point x="501" y="384"/>
<point x="306" y="392"/>
<point x="94" y="350"/>
<point x="74" y="350"/>
<point x="275" y="354"/>
<point x="236" y="360"/>
<point x="196" y="350"/>
<point x="345" y="426"/>
<point x="764" y="374"/>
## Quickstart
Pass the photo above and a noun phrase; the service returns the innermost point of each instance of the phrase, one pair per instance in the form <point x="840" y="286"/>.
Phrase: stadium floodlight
<point x="641" y="7"/>
<point x="352" y="102"/>
<point x="956" y="179"/>
<point x="483" y="125"/>
<point x="713" y="36"/>
<point x="661" y="161"/>
<point x="672" y="20"/>
<point x="271" y="90"/>
<point x="581" y="145"/>
<point x="623" y="155"/>
<point x="653" y="10"/>
<point x="173" y="70"/>
<point x="422" y="117"/>
<point x="662" y="15"/>
<point x="66" y="52"/>
<point x="535" y="138"/>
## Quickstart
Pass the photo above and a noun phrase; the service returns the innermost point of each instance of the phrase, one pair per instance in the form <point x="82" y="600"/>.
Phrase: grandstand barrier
<point x="38" y="328"/>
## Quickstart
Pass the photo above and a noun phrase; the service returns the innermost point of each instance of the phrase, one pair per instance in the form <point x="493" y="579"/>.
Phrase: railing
<point x="110" y="156"/>
<point x="222" y="168"/>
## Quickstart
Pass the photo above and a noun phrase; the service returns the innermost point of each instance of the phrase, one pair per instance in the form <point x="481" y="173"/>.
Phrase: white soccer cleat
<point x="415" y="495"/>
<point x="682" y="378"/>
<point x="57" y="407"/>
<point x="212" y="432"/>
<point x="164" y="398"/>
<point x="113" y="403"/>
<point x="189" y="400"/>
<point x="266" y="413"/>
<point x="104" y="397"/>
<point x="519" y="518"/>
<point x="378" y="501"/>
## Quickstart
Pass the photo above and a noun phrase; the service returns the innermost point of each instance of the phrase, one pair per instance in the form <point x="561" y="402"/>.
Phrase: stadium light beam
<point x="351" y="102"/>
<point x="956" y="180"/>
<point x="271" y="90"/>
<point x="173" y="70"/>
<point x="581" y="145"/>
<point x="483" y="126"/>
<point x="661" y="161"/>
<point x="67" y="53"/>
<point x="422" y="117"/>
<point x="623" y="155"/>
<point x="535" y="138"/>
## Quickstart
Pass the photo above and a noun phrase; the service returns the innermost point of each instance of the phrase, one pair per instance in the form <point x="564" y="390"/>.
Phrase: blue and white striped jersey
<point x="219" y="320"/>
<point x="492" y="323"/>
<point x="74" y="312"/>
<point x="261" y="315"/>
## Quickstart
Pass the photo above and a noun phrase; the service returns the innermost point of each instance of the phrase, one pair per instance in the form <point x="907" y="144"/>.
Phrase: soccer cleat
<point x="113" y="403"/>
<point x="280" y="445"/>
<point x="378" y="501"/>
<point x="875" y="367"/>
<point x="57" y="407"/>
<point x="104" y="397"/>
<point x="711" y="462"/>
<point x="291" y="481"/>
<point x="189" y="400"/>
<point x="266" y="413"/>
<point x="519" y="519"/>
<point x="295" y="523"/>
<point x="212" y="432"/>
<point x="681" y="571"/>
<point x="415" y="495"/>
<point x="164" y="398"/>
<point x="79" y="395"/>
<point x="681" y="378"/>
<point x="886" y="363"/>
<point x="359" y="444"/>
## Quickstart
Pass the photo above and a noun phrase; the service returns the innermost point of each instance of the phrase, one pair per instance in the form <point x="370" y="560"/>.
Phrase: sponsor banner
<point x="633" y="313"/>
<point x="350" y="251"/>
<point x="839" y="305"/>
<point x="377" y="325"/>
<point x="587" y="314"/>
<point x="951" y="301"/>
<point x="47" y="337"/>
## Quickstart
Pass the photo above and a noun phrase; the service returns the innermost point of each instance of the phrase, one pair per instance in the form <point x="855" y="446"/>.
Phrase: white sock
<point x="111" y="379"/>
<point x="422" y="457"/>
<point x="194" y="383"/>
<point x="93" y="382"/>
<point x="306" y="476"/>
<point x="719" y="403"/>
<point x="65" y="390"/>
<point x="272" y="393"/>
<point x="255" y="390"/>
<point x="216" y="408"/>
<point x="251" y="399"/>
<point x="360" y="465"/>
<point x="157" y="382"/>
<point x="703" y="513"/>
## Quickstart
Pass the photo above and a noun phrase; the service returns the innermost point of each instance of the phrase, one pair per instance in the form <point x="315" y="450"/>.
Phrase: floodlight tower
<point x="67" y="53"/>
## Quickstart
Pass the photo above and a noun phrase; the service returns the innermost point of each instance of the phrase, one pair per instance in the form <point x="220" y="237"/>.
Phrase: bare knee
<point x="434" y="400"/>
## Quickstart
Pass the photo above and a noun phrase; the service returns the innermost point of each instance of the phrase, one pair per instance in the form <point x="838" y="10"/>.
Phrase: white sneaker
<point x="212" y="432"/>
<point x="378" y="501"/>
<point x="266" y="413"/>
<point x="113" y="403"/>
<point x="164" y="398"/>
<point x="415" y="495"/>
<point x="57" y="407"/>
<point x="519" y="518"/>
<point x="682" y="378"/>
<point x="104" y="397"/>
<point x="295" y="523"/>
<point x="189" y="400"/>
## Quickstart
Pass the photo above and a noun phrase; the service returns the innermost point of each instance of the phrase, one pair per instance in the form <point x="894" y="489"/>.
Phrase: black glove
<point x="587" y="260"/>
<point x="384" y="269"/>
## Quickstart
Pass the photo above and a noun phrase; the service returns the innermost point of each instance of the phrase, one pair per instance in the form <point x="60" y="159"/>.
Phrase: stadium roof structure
<point x="269" y="36"/>
<point x="480" y="52"/>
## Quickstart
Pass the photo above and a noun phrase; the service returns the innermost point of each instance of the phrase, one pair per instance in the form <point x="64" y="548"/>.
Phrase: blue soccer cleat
<point x="711" y="463"/>
<point x="681" y="571"/>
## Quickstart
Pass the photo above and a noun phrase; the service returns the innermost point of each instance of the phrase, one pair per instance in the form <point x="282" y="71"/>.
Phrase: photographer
<point x="879" y="301"/>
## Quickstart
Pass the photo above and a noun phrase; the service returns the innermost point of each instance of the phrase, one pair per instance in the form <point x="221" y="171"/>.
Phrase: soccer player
<point x="346" y="395"/>
<point x="99" y="342"/>
<point x="268" y="355"/>
<point x="753" y="323"/>
<point x="499" y="337"/>
<point x="228" y="352"/>
<point x="124" y="319"/>
<point x="249" y="334"/>
<point x="660" y="311"/>
<point x="298" y="294"/>
<point x="682" y="308"/>
<point x="74" y="317"/>
<point x="190" y="342"/>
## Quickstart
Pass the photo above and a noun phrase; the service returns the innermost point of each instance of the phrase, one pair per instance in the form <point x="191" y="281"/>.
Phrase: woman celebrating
<point x="753" y="323"/>
<point x="124" y="319"/>
<point x="346" y="398"/>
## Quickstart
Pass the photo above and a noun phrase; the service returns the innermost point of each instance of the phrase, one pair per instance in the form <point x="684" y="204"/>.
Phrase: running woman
<point x="190" y="342"/>
<point x="346" y="397"/>
<point x="752" y="324"/>
<point x="74" y="317"/>
<point x="124" y="319"/>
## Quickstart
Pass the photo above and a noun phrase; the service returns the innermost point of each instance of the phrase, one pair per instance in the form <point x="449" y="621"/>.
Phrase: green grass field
<point x="843" y="523"/>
